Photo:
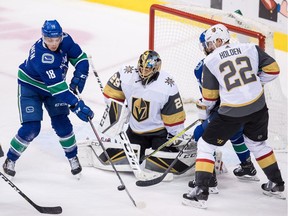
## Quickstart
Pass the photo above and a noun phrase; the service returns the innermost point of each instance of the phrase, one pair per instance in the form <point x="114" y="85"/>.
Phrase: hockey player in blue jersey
<point x="246" y="169"/>
<point x="42" y="80"/>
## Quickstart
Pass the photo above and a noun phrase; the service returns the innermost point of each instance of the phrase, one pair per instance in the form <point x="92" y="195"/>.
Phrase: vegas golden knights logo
<point x="140" y="109"/>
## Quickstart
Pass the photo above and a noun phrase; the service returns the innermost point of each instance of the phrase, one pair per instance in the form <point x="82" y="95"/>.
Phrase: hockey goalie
<point x="149" y="99"/>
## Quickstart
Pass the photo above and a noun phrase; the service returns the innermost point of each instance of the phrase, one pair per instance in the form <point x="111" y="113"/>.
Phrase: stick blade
<point x="49" y="210"/>
<point x="150" y="182"/>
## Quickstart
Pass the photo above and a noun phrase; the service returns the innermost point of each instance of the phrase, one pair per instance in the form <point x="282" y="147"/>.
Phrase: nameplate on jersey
<point x="47" y="58"/>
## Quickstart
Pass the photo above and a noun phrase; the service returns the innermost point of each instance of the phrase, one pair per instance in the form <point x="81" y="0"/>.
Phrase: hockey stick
<point x="1" y="151"/>
<point x="41" y="209"/>
<point x="95" y="73"/>
<point x="170" y="141"/>
<point x="122" y="186"/>
<point x="160" y="178"/>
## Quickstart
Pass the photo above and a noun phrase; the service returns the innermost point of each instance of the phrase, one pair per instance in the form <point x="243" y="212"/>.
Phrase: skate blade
<point x="277" y="195"/>
<point x="202" y="204"/>
<point x="213" y="190"/>
<point x="169" y="177"/>
<point x="248" y="178"/>
<point x="78" y="176"/>
<point x="144" y="176"/>
<point x="11" y="178"/>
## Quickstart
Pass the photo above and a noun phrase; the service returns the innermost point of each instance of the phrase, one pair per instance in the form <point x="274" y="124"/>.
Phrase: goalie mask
<point x="214" y="33"/>
<point x="149" y="65"/>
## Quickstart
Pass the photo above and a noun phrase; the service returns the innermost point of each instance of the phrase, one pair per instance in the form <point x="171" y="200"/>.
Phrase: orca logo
<point x="29" y="109"/>
<point x="47" y="58"/>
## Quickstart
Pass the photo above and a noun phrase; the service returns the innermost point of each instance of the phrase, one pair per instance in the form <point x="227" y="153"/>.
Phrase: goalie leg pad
<point x="90" y="153"/>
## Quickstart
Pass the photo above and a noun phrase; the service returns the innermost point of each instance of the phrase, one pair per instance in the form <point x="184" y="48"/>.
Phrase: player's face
<point x="209" y="49"/>
<point x="52" y="43"/>
<point x="210" y="46"/>
<point x="145" y="72"/>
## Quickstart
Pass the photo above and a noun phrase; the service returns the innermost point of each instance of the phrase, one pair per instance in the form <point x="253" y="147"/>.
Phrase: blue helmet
<point x="203" y="44"/>
<point x="52" y="29"/>
<point x="202" y="37"/>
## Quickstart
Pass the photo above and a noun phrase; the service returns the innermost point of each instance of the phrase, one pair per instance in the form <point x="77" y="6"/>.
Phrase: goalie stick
<point x="170" y="141"/>
<point x="160" y="178"/>
<point x="41" y="209"/>
<point x="134" y="163"/>
<point x="95" y="73"/>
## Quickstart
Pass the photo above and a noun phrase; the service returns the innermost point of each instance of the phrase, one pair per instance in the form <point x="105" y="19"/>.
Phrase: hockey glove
<point x="203" y="112"/>
<point x="78" y="81"/>
<point x="82" y="111"/>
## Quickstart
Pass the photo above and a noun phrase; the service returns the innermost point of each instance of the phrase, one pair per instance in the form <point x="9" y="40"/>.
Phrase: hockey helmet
<point x="203" y="45"/>
<point x="51" y="29"/>
<point x="218" y="31"/>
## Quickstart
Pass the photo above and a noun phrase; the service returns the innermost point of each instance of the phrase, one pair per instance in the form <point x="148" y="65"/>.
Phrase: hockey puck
<point x="121" y="187"/>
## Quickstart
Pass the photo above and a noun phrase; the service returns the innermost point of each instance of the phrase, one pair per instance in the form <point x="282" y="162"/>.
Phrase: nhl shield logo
<point x="140" y="109"/>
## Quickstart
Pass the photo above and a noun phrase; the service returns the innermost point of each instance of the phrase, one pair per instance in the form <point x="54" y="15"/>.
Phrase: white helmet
<point x="217" y="31"/>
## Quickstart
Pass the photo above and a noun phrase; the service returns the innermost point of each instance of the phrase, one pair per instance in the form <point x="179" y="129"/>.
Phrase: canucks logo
<point x="47" y="58"/>
<point x="140" y="109"/>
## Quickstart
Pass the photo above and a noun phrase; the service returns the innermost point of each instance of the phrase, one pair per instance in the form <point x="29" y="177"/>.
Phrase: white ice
<point x="113" y="37"/>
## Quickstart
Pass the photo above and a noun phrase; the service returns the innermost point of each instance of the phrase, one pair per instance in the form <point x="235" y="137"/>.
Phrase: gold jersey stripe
<point x="209" y="94"/>
<point x="271" y="68"/>
<point x="204" y="165"/>
<point x="266" y="160"/>
<point x="113" y="93"/>
<point x="174" y="119"/>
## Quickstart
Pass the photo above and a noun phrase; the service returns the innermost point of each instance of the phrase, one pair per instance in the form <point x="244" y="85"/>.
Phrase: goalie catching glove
<point x="82" y="111"/>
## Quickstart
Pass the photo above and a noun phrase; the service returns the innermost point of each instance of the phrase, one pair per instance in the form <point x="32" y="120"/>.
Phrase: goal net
<point x="174" y="33"/>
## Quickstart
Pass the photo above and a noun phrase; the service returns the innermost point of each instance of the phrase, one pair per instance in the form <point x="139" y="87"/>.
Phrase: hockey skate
<point x="9" y="168"/>
<point x="275" y="190"/>
<point x="75" y="167"/>
<point x="213" y="189"/>
<point x="196" y="198"/>
<point x="246" y="171"/>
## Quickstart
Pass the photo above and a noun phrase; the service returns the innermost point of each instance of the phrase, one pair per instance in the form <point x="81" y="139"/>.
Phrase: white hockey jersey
<point x="236" y="73"/>
<point x="154" y="106"/>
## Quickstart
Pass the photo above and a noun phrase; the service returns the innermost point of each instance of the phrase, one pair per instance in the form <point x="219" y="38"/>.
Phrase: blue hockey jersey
<point x="45" y="71"/>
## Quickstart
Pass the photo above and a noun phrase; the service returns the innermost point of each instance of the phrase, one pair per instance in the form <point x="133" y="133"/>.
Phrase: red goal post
<point x="174" y="32"/>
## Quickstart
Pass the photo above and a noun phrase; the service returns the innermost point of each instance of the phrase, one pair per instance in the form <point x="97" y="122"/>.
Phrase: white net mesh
<point x="176" y="39"/>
